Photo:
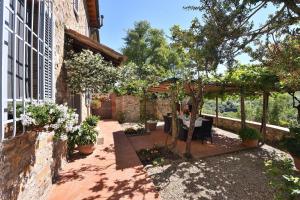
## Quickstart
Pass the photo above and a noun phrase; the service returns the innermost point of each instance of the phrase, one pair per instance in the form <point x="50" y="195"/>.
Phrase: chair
<point x="182" y="130"/>
<point x="204" y="132"/>
<point x="209" y="118"/>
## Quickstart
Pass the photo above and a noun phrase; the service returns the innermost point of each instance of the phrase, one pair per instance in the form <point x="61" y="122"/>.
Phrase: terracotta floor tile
<point x="112" y="172"/>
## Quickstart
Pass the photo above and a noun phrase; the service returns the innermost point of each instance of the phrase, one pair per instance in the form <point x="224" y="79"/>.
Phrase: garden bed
<point x="157" y="156"/>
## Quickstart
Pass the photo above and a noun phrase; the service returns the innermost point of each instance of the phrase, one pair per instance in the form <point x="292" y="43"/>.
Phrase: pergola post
<point x="217" y="111"/>
<point x="243" y="113"/>
<point x="264" y="118"/>
<point x="174" y="117"/>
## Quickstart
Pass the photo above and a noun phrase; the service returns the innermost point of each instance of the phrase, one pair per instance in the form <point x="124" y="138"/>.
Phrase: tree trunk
<point x="201" y="106"/>
<point x="264" y="118"/>
<point x="144" y="116"/>
<point x="174" y="119"/>
<point x="296" y="106"/>
<point x="243" y="113"/>
<point x="195" y="104"/>
<point x="217" y="111"/>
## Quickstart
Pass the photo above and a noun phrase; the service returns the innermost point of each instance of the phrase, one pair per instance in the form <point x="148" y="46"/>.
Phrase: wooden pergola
<point x="217" y="89"/>
<point x="208" y="88"/>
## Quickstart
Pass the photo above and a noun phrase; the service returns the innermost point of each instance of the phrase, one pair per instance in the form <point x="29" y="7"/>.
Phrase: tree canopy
<point x="88" y="71"/>
<point x="146" y="45"/>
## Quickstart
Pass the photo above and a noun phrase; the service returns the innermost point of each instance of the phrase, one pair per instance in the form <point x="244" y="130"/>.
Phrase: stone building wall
<point x="274" y="133"/>
<point x="65" y="18"/>
<point x="28" y="163"/>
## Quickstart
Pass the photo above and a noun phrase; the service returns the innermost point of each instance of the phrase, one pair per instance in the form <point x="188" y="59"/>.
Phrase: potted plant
<point x="250" y="137"/>
<point x="152" y="123"/>
<point x="292" y="144"/>
<point x="92" y="120"/>
<point x="86" y="138"/>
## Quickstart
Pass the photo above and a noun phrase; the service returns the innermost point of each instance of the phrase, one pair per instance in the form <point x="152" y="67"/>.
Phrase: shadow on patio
<point x="223" y="142"/>
<point x="112" y="172"/>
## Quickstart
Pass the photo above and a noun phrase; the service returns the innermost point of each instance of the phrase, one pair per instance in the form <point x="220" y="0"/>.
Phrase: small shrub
<point x="130" y="131"/>
<point x="249" y="134"/>
<point x="156" y="156"/>
<point x="140" y="131"/>
<point x="283" y="179"/>
<point x="86" y="135"/>
<point x="292" y="142"/>
<point x="92" y="120"/>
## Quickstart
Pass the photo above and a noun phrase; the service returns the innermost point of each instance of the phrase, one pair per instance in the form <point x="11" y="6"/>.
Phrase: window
<point x="76" y="6"/>
<point x="26" y="59"/>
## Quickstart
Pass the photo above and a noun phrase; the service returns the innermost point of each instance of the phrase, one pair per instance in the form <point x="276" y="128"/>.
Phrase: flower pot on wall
<point x="250" y="143"/>
<point x="86" y="149"/>
<point x="152" y="126"/>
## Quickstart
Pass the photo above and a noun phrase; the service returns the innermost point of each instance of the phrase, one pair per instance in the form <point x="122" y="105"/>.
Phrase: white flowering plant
<point x="50" y="116"/>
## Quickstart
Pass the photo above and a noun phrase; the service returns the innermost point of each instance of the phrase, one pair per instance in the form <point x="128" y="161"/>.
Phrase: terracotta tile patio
<point x="223" y="142"/>
<point x="112" y="172"/>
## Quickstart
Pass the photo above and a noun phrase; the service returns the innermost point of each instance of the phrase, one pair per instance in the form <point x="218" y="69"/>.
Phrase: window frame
<point x="44" y="7"/>
<point x="76" y="7"/>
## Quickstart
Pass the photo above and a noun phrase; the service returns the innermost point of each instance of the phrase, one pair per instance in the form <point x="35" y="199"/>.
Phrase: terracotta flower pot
<point x="296" y="161"/>
<point x="250" y="143"/>
<point x="86" y="149"/>
<point x="152" y="126"/>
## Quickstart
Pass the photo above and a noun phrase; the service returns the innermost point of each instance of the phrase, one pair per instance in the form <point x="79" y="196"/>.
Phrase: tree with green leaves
<point x="88" y="72"/>
<point x="136" y="80"/>
<point x="283" y="58"/>
<point x="146" y="45"/>
<point x="282" y="21"/>
<point x="147" y="51"/>
<point x="214" y="41"/>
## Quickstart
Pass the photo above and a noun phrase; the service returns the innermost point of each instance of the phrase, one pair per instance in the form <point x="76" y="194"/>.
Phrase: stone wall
<point x="130" y="106"/>
<point x="274" y="133"/>
<point x="65" y="18"/>
<point x="163" y="106"/>
<point x="28" y="165"/>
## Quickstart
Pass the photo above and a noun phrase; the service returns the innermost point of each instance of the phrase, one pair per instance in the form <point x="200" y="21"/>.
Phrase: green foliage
<point x="283" y="179"/>
<point x="283" y="59"/>
<point x="138" y="79"/>
<point x="134" y="132"/>
<point x="87" y="71"/>
<point x="130" y="131"/>
<point x="92" y="120"/>
<point x="275" y="113"/>
<point x="253" y="78"/>
<point x="40" y="114"/>
<point x="85" y="135"/>
<point x="292" y="141"/>
<point x="145" y="45"/>
<point x="283" y="115"/>
<point x="249" y="134"/>
<point x="156" y="156"/>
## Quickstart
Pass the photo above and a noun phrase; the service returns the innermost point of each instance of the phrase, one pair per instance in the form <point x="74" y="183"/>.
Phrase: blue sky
<point x="120" y="15"/>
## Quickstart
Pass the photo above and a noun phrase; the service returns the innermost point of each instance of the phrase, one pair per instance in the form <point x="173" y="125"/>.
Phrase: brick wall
<point x="28" y="163"/>
<point x="274" y="133"/>
<point x="130" y="106"/>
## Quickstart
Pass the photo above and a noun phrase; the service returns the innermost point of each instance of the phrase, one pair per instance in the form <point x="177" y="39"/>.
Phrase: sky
<point x="120" y="15"/>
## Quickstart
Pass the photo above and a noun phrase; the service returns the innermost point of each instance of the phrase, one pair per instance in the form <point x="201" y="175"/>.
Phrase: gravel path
<point x="237" y="176"/>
